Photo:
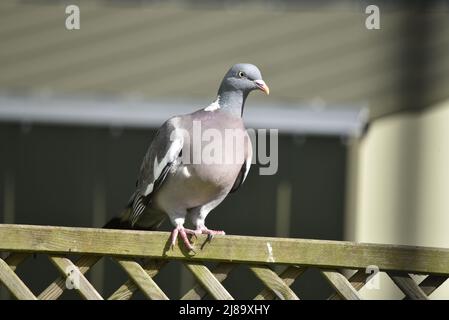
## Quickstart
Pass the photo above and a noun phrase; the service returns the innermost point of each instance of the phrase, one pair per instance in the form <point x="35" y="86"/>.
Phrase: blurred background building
<point x="363" y="116"/>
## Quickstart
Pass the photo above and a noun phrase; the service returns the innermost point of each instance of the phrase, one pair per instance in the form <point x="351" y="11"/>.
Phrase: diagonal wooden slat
<point x="57" y="287"/>
<point x="126" y="290"/>
<point x="357" y="281"/>
<point x="272" y="281"/>
<point x="407" y="285"/>
<point x="289" y="275"/>
<point x="85" y="287"/>
<point x="431" y="283"/>
<point x="221" y="272"/>
<point x="14" y="284"/>
<point x="208" y="281"/>
<point x="341" y="284"/>
<point x="14" y="259"/>
<point x="142" y="279"/>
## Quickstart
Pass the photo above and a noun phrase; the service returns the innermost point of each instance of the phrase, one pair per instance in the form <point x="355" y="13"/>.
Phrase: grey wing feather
<point x="160" y="157"/>
<point x="245" y="168"/>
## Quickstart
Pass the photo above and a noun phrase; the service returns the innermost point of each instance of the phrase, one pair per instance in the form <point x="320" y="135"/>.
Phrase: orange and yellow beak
<point x="262" y="86"/>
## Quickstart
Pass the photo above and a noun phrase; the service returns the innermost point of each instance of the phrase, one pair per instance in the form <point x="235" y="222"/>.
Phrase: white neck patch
<point x="214" y="105"/>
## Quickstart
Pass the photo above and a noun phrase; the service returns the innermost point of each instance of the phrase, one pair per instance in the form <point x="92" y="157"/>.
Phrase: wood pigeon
<point x="181" y="175"/>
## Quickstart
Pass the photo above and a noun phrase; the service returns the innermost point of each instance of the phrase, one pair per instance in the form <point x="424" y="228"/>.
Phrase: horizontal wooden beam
<point x="258" y="250"/>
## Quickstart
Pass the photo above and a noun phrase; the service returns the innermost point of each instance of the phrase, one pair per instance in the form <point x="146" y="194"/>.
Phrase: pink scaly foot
<point x="183" y="233"/>
<point x="210" y="233"/>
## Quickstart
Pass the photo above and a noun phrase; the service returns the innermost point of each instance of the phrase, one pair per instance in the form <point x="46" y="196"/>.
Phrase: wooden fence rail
<point x="261" y="254"/>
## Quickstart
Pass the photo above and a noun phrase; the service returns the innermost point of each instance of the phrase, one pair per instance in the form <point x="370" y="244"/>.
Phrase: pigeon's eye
<point x="242" y="74"/>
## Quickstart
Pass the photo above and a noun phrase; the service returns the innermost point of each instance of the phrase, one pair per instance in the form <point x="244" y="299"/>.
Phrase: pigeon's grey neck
<point x="232" y="101"/>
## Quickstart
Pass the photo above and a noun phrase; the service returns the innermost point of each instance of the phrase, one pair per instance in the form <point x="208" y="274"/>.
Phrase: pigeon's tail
<point x="119" y="222"/>
<point x="150" y="221"/>
<point x="122" y="220"/>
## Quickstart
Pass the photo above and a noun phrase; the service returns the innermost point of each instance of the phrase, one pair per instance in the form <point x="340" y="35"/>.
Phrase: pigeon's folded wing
<point x="245" y="167"/>
<point x="161" y="156"/>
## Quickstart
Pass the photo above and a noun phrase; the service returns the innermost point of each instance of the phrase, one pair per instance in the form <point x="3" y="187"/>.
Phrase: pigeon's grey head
<point x="243" y="77"/>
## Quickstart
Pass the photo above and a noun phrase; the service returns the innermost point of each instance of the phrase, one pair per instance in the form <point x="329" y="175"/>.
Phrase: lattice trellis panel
<point x="277" y="286"/>
<point x="140" y="272"/>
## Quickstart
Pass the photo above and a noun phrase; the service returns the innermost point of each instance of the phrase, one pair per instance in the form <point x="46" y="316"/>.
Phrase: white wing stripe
<point x="247" y="167"/>
<point x="171" y="154"/>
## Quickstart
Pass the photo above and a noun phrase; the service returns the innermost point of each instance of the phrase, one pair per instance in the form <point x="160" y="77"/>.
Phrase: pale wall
<point x="399" y="184"/>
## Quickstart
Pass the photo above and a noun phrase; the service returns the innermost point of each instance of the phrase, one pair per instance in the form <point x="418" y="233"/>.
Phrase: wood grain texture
<point x="68" y="268"/>
<point x="273" y="282"/>
<point x="341" y="284"/>
<point x="357" y="281"/>
<point x="126" y="290"/>
<point x="407" y="285"/>
<point x="289" y="275"/>
<point x="14" y="284"/>
<point x="319" y="253"/>
<point x="207" y="279"/>
<point x="431" y="283"/>
<point x="141" y="278"/>
<point x="57" y="287"/>
<point x="220" y="272"/>
<point x="14" y="259"/>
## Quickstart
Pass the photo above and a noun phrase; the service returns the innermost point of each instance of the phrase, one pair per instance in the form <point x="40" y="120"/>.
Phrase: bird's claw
<point x="183" y="233"/>
<point x="210" y="233"/>
<point x="210" y="236"/>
